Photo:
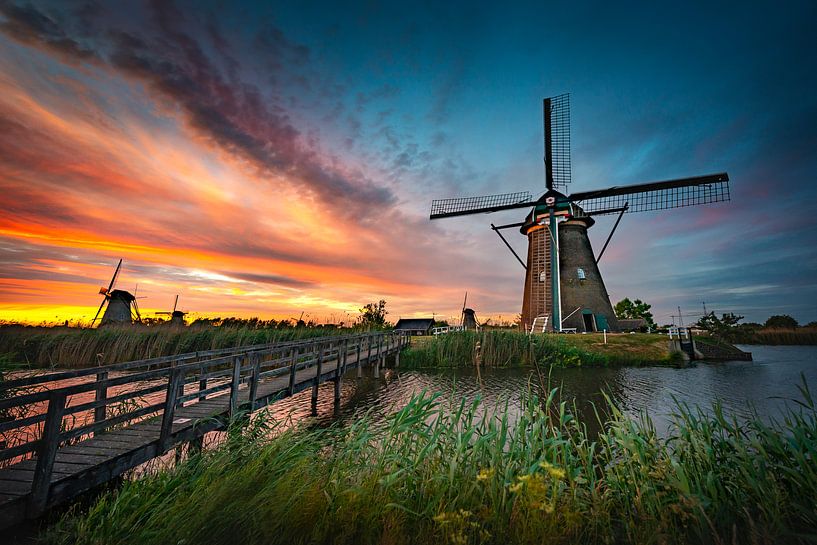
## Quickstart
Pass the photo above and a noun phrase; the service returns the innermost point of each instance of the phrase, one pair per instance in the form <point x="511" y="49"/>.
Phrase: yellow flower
<point x="515" y="487"/>
<point x="485" y="474"/>
<point x="556" y="473"/>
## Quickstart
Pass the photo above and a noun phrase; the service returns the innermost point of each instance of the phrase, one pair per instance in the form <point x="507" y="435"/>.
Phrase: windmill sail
<point x="463" y="206"/>
<point x="655" y="195"/>
<point x="556" y="113"/>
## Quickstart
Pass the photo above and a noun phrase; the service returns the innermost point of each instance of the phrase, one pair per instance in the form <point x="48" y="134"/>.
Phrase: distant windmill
<point x="122" y="307"/>
<point x="176" y="316"/>
<point x="468" y="318"/>
<point x="560" y="250"/>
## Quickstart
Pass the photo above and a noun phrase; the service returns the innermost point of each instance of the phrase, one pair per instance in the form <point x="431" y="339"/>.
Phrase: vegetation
<point x="634" y="310"/>
<point x="778" y="330"/>
<point x="780" y="322"/>
<point x="374" y="314"/>
<point x="467" y="473"/>
<point x="512" y="348"/>
<point x="724" y="328"/>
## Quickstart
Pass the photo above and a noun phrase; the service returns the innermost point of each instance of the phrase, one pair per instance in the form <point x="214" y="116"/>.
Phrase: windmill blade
<point x="463" y="206"/>
<point x="115" y="274"/>
<point x="655" y="195"/>
<point x="556" y="113"/>
<point x="102" y="304"/>
<point x="176" y="303"/>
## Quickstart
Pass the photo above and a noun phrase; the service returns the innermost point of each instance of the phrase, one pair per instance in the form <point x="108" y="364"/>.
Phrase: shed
<point x="415" y="326"/>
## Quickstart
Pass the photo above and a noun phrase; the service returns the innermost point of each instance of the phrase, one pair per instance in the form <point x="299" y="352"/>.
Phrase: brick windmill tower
<point x="563" y="286"/>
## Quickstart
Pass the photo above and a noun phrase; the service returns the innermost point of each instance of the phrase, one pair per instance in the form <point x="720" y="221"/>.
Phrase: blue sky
<point x="397" y="104"/>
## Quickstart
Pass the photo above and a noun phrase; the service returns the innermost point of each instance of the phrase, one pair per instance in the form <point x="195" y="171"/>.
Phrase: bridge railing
<point x="45" y="378"/>
<point x="141" y="394"/>
<point x="137" y="392"/>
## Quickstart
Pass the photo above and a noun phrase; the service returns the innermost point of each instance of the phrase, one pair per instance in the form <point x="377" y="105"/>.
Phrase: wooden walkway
<point x="112" y="419"/>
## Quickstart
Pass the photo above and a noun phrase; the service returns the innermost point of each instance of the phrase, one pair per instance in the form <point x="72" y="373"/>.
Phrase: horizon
<point x="263" y="161"/>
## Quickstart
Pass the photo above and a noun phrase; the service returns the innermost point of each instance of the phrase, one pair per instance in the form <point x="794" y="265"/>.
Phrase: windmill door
<point x="589" y="323"/>
<point x="601" y="322"/>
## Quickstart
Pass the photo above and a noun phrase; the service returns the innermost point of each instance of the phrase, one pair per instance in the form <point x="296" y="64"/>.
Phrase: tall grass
<point x="512" y="348"/>
<point x="801" y="335"/>
<point x="465" y="473"/>
<point x="72" y="347"/>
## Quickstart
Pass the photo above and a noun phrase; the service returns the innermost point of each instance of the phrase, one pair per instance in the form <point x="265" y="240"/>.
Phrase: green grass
<point x="436" y="472"/>
<point x="511" y="348"/>
<point x="72" y="347"/>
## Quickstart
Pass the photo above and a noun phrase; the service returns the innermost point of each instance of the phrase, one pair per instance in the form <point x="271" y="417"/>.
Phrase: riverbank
<point x="440" y="471"/>
<point x="512" y="348"/>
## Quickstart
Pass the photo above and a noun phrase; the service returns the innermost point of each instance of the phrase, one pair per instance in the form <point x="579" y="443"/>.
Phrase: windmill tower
<point x="121" y="305"/>
<point x="176" y="316"/>
<point x="563" y="286"/>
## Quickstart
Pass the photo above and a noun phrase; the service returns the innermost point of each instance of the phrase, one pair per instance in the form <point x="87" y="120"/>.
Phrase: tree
<point x="634" y="310"/>
<point x="373" y="314"/>
<point x="781" y="322"/>
<point x="725" y="327"/>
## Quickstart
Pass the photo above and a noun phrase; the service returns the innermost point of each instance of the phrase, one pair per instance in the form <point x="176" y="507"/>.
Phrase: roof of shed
<point x="414" y="323"/>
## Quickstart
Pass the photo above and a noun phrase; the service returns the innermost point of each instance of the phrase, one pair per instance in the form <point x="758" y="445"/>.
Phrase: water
<point x="769" y="384"/>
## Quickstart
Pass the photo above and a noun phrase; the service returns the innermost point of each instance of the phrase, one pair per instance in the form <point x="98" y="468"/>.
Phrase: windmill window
<point x="580" y="273"/>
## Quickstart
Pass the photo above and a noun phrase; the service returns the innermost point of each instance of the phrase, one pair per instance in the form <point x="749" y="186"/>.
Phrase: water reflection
<point x="769" y="384"/>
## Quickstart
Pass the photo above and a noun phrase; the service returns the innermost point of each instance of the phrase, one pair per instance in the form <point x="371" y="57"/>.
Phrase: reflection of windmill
<point x="567" y="256"/>
<point x="176" y="316"/>
<point x="122" y="307"/>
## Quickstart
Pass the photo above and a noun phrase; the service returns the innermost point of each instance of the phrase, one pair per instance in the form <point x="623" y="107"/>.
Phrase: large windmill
<point x="563" y="286"/>
<point x="122" y="307"/>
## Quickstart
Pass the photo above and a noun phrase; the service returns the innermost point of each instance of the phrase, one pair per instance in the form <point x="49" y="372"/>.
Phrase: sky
<point x="276" y="158"/>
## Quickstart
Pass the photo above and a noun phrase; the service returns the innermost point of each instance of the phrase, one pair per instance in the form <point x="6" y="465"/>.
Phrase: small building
<point x="415" y="326"/>
<point x="632" y="324"/>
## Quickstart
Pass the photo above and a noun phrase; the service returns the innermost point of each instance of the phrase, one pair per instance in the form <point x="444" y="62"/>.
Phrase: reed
<point x="74" y="348"/>
<point x="801" y="335"/>
<point x="454" y="472"/>
<point x="511" y="348"/>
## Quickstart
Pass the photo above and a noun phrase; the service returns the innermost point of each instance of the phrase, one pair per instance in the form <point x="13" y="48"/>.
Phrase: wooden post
<point x="46" y="454"/>
<point x="359" y="363"/>
<point x="255" y="359"/>
<point x="397" y="354"/>
<point x="317" y="375"/>
<point x="202" y="383"/>
<point x="237" y="360"/>
<point x="195" y="445"/>
<point x="176" y="377"/>
<point x="340" y="369"/>
<point x="292" y="366"/>
<point x="181" y="385"/>
<point x="101" y="395"/>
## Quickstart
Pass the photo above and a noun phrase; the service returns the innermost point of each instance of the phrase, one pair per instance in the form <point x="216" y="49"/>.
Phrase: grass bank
<point x="66" y="347"/>
<point x="434" y="473"/>
<point x="512" y="348"/>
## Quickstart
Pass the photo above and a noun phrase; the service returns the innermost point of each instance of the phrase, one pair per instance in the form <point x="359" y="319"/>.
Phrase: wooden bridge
<point x="68" y="432"/>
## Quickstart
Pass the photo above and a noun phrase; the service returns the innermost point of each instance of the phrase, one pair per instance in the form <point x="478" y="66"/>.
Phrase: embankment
<point x="512" y="348"/>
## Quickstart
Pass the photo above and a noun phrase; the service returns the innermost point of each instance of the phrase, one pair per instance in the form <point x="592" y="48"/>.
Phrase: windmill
<point x="468" y="318"/>
<point x="561" y="272"/>
<point x="122" y="307"/>
<point x="176" y="316"/>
